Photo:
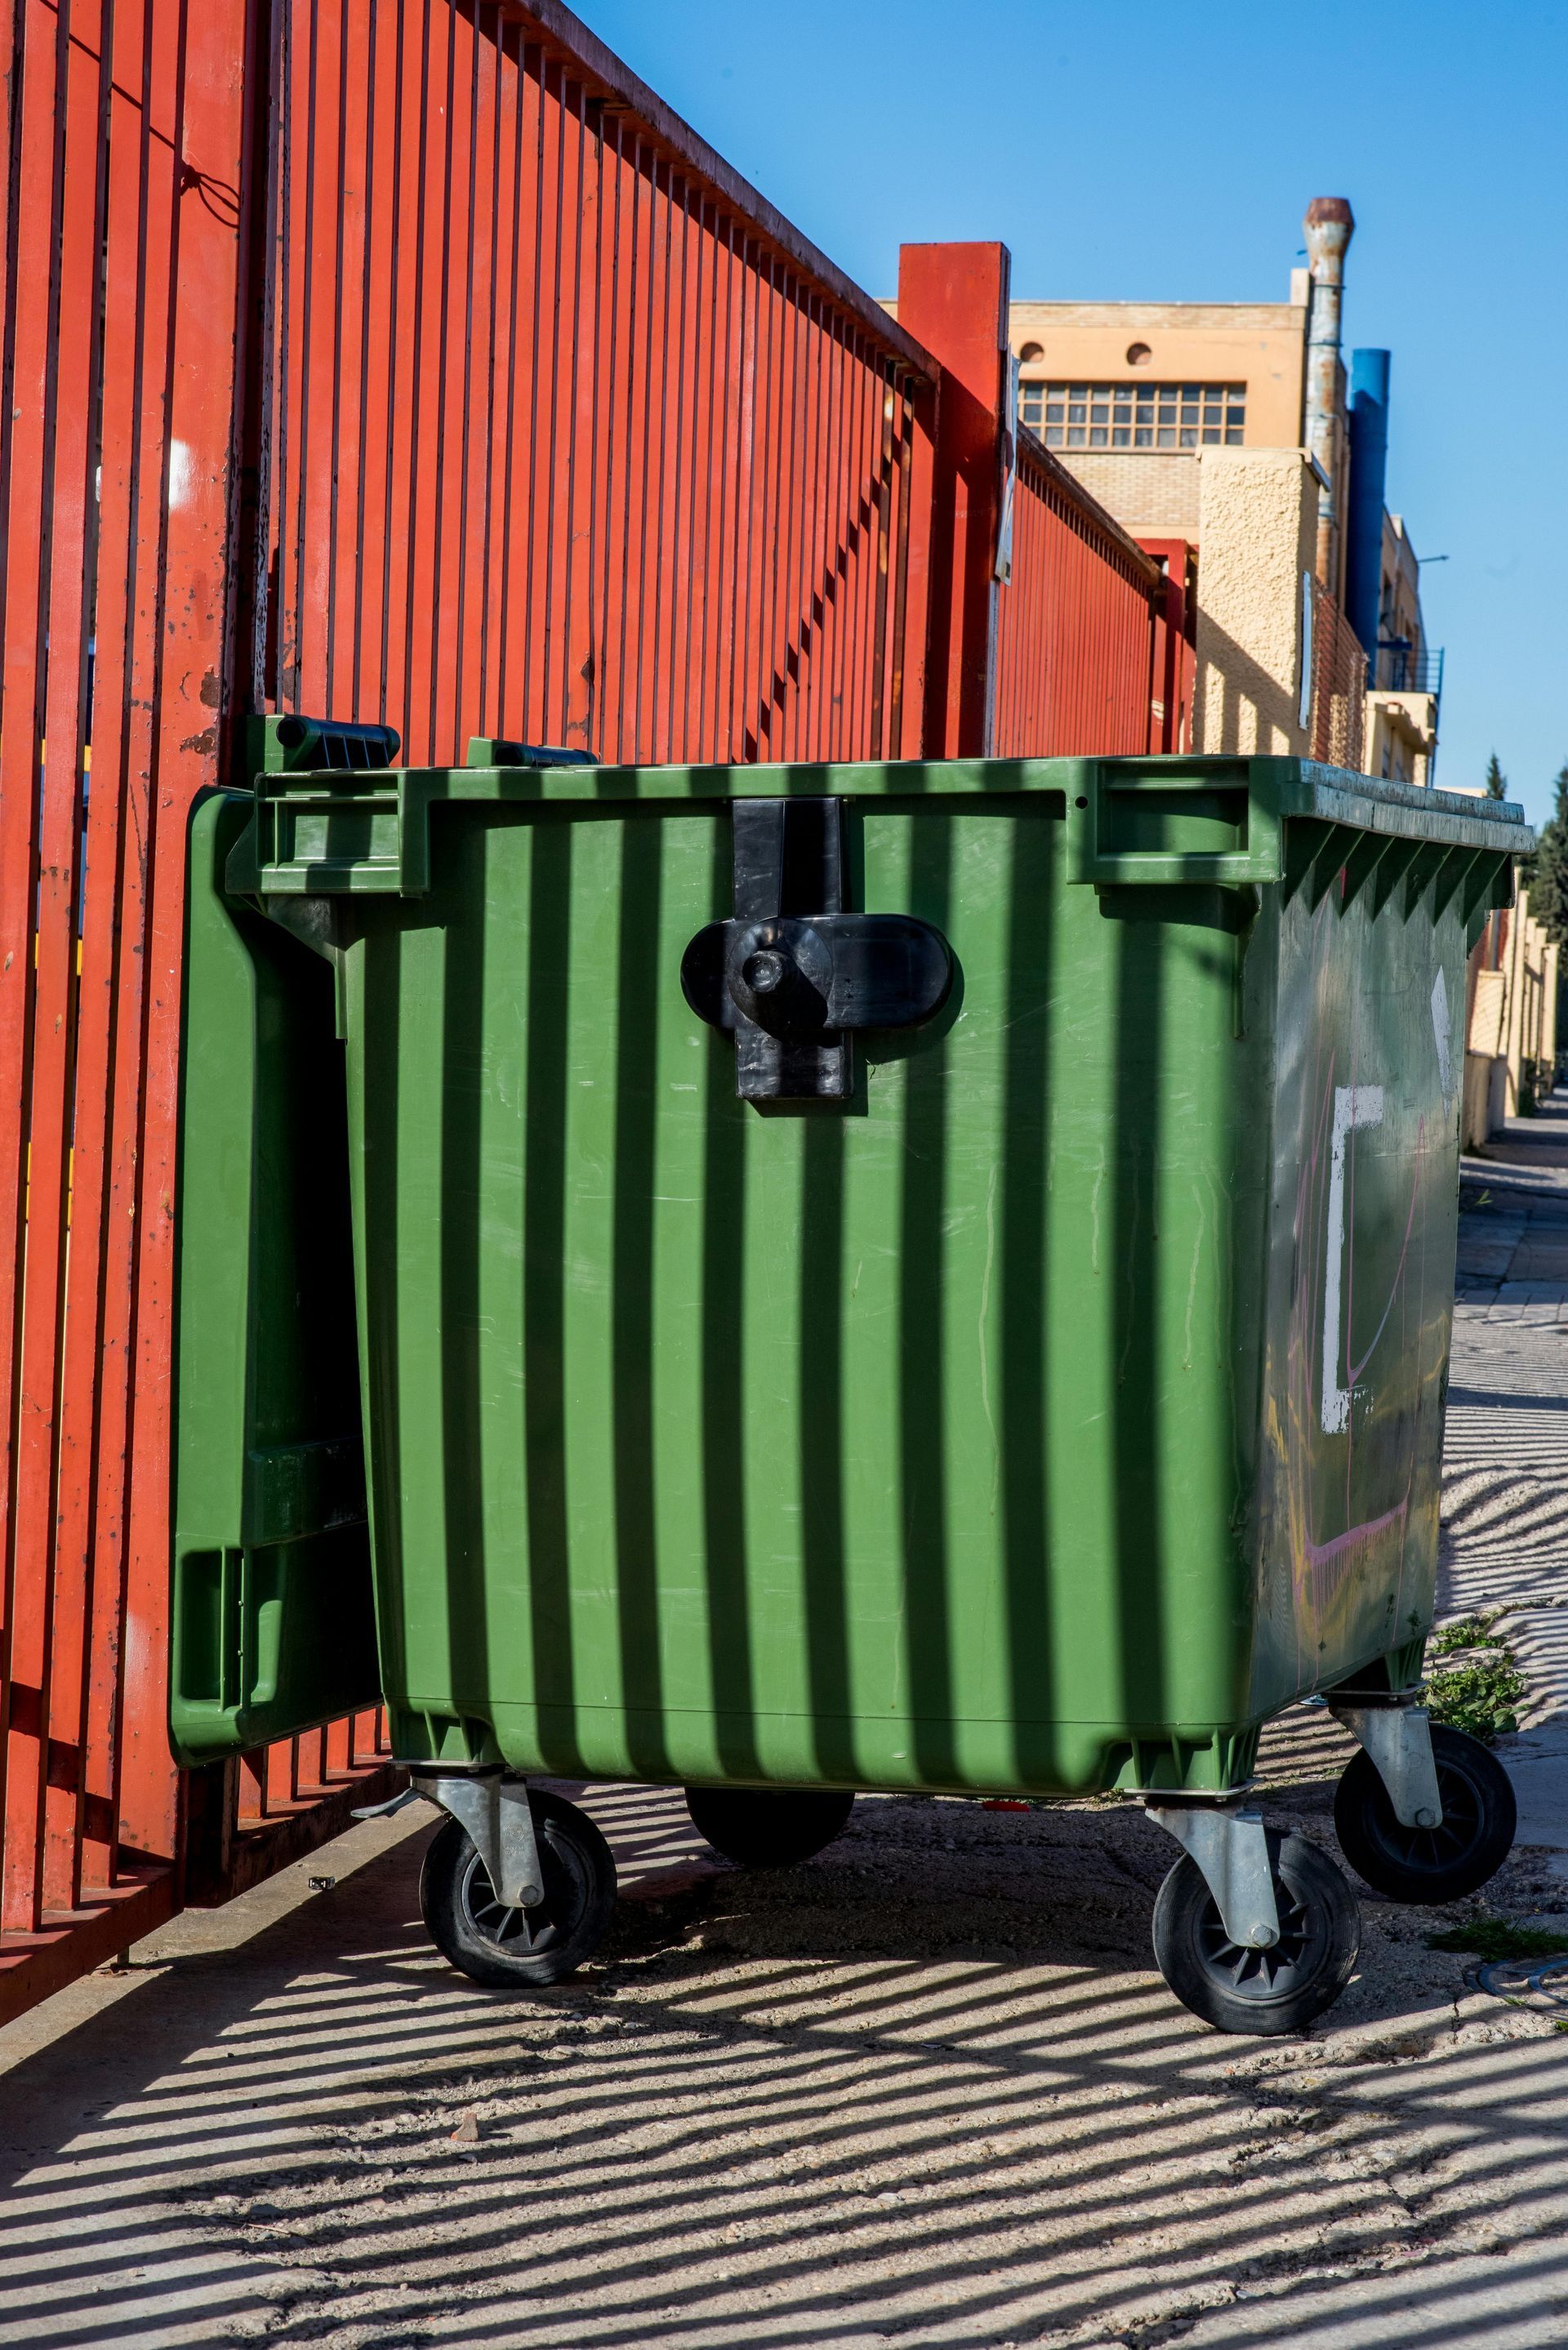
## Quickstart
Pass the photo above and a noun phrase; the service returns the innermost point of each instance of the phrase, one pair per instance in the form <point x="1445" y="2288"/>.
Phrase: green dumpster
<point x="875" y="1277"/>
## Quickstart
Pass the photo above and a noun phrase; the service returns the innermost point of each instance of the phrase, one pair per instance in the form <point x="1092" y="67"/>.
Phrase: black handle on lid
<point x="793" y="974"/>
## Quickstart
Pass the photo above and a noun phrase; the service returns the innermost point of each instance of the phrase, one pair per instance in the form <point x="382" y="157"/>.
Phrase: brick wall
<point x="1151" y="494"/>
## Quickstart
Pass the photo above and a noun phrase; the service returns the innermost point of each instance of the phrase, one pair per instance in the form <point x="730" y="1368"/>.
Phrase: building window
<point x="1136" y="415"/>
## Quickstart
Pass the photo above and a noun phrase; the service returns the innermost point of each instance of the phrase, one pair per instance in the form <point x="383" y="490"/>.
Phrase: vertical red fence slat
<point x="25" y="440"/>
<point x="129" y="618"/>
<point x="94" y="1384"/>
<point x="54" y="1467"/>
<point x="195" y="565"/>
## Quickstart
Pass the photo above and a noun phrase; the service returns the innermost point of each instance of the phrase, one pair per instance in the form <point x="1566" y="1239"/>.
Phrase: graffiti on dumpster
<point x="1358" y="1370"/>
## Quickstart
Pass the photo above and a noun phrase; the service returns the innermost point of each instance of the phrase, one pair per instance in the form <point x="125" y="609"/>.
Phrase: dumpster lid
<point x="365" y="829"/>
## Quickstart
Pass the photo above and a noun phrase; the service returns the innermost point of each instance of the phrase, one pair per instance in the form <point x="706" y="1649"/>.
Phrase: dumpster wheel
<point x="768" y="1828"/>
<point x="1430" y="1865"/>
<point x="509" y="1949"/>
<point x="1280" y="1988"/>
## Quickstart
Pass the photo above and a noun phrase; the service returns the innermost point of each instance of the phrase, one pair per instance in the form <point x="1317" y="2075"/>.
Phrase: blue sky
<point x="1128" y="152"/>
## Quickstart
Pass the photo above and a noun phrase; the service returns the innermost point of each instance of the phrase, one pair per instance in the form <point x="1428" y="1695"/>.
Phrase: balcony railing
<point x="1402" y="670"/>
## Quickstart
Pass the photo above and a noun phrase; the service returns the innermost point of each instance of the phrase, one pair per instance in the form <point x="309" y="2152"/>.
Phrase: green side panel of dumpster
<point x="1044" y="1416"/>
<point x="272" y="1614"/>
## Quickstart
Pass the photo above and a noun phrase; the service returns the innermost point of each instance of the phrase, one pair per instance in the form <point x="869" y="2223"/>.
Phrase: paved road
<point x="1505" y="1501"/>
<point x="926" y="2090"/>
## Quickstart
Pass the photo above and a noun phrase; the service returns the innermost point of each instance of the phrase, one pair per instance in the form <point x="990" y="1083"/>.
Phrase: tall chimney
<point x="1330" y="224"/>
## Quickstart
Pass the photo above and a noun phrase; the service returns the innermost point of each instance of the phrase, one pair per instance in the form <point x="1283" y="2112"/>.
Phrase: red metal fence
<point x="406" y="362"/>
<point x="119" y="297"/>
<point x="1075" y="650"/>
<point x="565" y="436"/>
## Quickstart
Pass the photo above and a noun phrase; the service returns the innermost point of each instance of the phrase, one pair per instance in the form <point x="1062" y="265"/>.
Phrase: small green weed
<point x="1481" y="1699"/>
<point x="1470" y="1632"/>
<point x="1499" y="1938"/>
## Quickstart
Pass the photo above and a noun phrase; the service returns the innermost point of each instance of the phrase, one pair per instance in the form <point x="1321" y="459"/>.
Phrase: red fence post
<point x="953" y="299"/>
<point x="1170" y="729"/>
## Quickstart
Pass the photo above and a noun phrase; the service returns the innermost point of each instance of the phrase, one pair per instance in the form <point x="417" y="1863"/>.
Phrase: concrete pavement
<point x="1505" y="1484"/>
<point x="926" y="2090"/>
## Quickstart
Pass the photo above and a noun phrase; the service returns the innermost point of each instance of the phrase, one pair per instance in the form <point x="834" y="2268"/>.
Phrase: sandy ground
<point x="926" y="2090"/>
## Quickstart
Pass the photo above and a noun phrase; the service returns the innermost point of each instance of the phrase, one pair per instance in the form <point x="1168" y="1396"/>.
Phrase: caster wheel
<point x="1240" y="1990"/>
<point x="768" y="1828"/>
<point x="1430" y="1865"/>
<point x="516" y="1949"/>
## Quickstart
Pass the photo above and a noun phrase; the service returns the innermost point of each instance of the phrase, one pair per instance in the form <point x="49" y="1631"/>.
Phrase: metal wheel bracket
<point x="1228" y="1842"/>
<point x="494" y="1809"/>
<point x="1398" y="1743"/>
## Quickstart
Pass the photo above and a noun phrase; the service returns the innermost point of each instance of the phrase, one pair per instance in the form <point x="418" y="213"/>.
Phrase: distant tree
<point x="1496" y="781"/>
<point x="1548" y="882"/>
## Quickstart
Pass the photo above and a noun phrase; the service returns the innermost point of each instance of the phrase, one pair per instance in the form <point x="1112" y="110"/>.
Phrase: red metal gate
<point x="117" y="365"/>
<point x="405" y="361"/>
<point x="565" y="436"/>
<point x="1074" y="645"/>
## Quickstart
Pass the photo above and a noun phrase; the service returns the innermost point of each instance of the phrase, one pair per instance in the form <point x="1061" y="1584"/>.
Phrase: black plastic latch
<point x="314" y="742"/>
<point x="503" y="751"/>
<point x="794" y="973"/>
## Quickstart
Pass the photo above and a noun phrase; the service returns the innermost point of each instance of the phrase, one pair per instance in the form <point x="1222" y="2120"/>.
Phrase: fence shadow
<point x="926" y="2088"/>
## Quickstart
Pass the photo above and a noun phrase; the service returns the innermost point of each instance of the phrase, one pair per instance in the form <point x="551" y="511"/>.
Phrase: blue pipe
<point x="1368" y="474"/>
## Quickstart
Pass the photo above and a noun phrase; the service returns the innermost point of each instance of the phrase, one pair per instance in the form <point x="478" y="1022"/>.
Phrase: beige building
<point x="1232" y="427"/>
<point x="1256" y="530"/>
<point x="1128" y="393"/>
<point x="1511" y="1022"/>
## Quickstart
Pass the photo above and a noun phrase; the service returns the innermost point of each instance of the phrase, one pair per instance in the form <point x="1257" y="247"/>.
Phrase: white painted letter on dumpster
<point x="1354" y="1105"/>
